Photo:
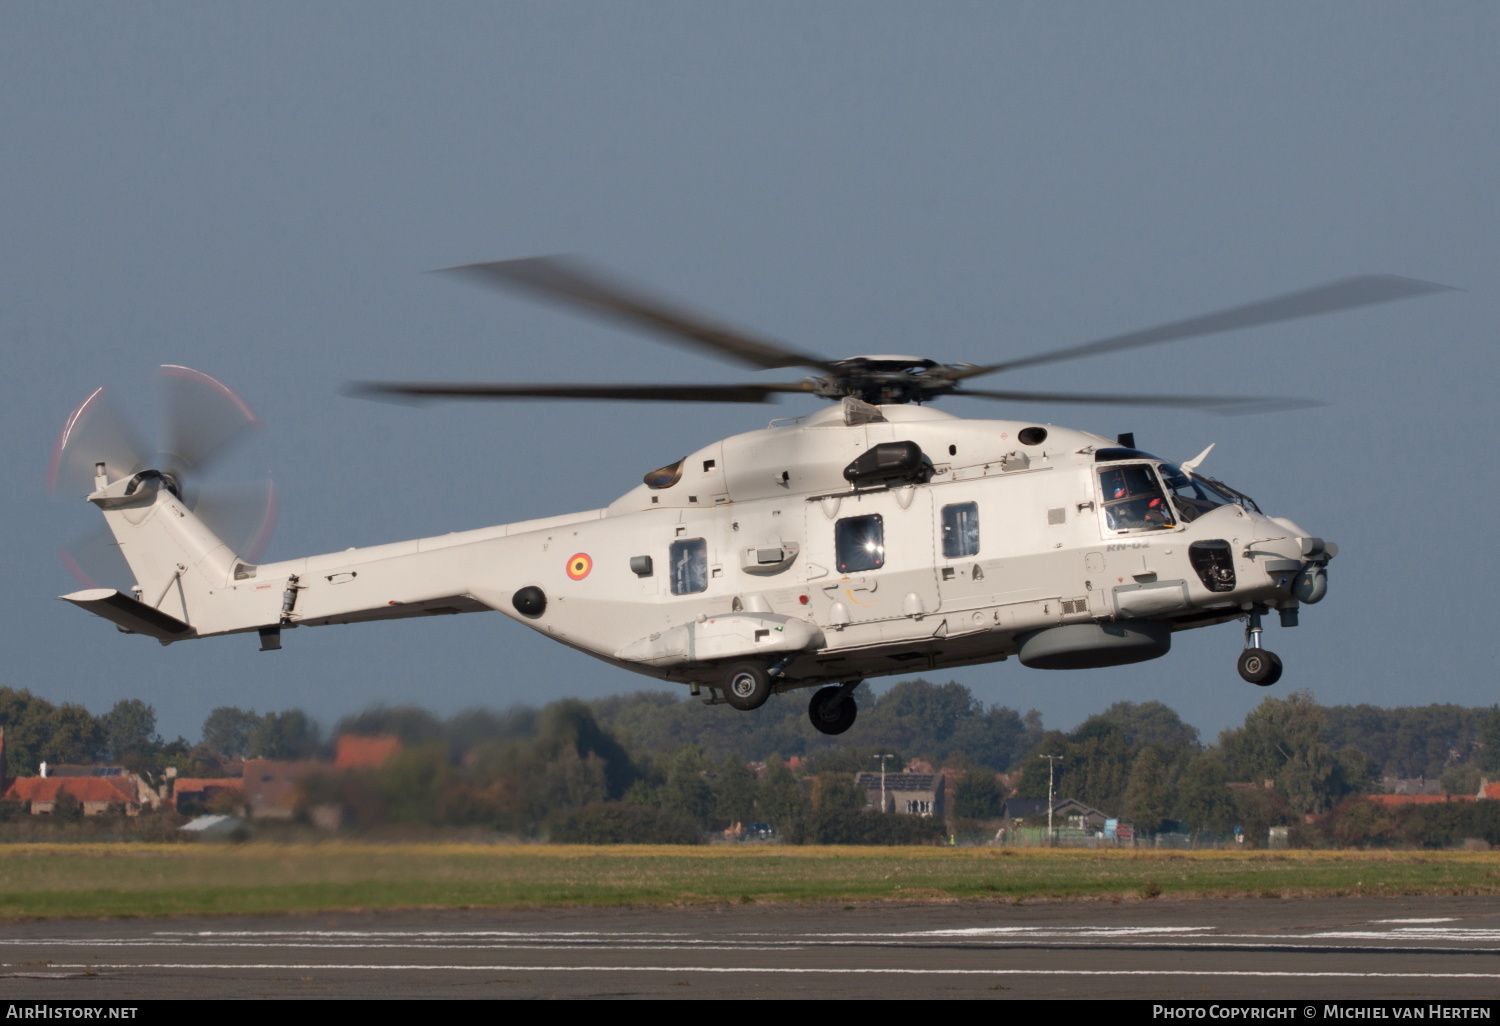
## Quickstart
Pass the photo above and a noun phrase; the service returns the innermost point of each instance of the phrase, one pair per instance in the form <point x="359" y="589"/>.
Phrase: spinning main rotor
<point x="873" y="379"/>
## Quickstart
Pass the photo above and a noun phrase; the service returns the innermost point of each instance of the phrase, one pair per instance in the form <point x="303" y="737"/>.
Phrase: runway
<point x="1264" y="949"/>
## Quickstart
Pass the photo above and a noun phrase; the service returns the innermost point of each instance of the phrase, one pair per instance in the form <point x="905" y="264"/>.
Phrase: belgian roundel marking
<point x="579" y="566"/>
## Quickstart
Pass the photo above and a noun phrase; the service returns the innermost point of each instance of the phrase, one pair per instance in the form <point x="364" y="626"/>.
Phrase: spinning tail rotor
<point x="202" y="420"/>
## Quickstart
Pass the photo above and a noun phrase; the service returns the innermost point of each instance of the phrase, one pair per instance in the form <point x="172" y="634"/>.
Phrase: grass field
<point x="43" y="881"/>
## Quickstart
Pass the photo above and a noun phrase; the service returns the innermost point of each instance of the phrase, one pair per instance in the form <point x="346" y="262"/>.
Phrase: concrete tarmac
<point x="1284" y="950"/>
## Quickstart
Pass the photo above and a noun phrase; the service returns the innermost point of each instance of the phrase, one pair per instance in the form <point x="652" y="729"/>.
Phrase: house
<point x="908" y="794"/>
<point x="189" y="791"/>
<point x="272" y="788"/>
<point x="1067" y="813"/>
<point x="353" y="752"/>
<point x="98" y="794"/>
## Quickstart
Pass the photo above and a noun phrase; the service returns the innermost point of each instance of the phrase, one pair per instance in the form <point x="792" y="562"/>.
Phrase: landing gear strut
<point x="1257" y="665"/>
<point x="833" y="709"/>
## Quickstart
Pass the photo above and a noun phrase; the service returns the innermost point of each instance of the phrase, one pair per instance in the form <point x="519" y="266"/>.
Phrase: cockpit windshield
<point x="1195" y="495"/>
<point x="1192" y="496"/>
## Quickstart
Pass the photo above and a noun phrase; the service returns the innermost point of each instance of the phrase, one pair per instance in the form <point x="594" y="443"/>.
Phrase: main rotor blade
<point x="752" y="393"/>
<point x="1229" y="405"/>
<point x="1339" y="295"/>
<point x="571" y="283"/>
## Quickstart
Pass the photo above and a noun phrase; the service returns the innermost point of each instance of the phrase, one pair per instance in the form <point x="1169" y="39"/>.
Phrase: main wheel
<point x="832" y="710"/>
<point x="747" y="686"/>
<point x="1260" y="667"/>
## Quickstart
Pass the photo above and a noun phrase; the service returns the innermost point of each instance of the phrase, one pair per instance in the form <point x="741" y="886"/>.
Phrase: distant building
<point x="1410" y="785"/>
<point x="273" y="788"/>
<point x="97" y="794"/>
<point x="1067" y="813"/>
<point x="907" y="794"/>
<point x="364" y="752"/>
<point x="189" y="791"/>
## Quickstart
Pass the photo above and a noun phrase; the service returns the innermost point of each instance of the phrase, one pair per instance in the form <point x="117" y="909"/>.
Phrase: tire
<point x="1260" y="667"/>
<point x="747" y="686"/>
<point x="831" y="710"/>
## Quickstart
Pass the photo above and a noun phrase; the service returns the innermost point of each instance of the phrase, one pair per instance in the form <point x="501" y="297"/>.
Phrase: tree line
<point x="654" y="766"/>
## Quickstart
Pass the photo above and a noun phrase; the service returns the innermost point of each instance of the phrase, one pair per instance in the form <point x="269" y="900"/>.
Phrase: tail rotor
<point x="202" y="421"/>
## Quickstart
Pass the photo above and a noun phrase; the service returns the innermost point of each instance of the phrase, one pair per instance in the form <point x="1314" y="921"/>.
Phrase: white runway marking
<point x="798" y="970"/>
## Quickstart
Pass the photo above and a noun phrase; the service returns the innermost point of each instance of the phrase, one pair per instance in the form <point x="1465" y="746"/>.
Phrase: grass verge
<point x="46" y="881"/>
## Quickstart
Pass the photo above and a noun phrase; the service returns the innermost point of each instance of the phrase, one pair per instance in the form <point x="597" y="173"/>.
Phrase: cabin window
<point x="961" y="529"/>
<point x="1133" y="501"/>
<point x="859" y="543"/>
<point x="689" y="561"/>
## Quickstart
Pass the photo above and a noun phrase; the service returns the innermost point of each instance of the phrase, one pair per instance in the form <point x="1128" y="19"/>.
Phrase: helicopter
<point x="875" y="536"/>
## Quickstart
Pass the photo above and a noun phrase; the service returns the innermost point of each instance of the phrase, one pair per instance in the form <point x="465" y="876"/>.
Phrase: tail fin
<point x="177" y="560"/>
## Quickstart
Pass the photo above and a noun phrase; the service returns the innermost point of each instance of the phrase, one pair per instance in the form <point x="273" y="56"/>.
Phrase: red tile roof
<point x="85" y="789"/>
<point x="365" y="752"/>
<point x="1490" y="791"/>
<point x="1418" y="799"/>
<point x="185" y="785"/>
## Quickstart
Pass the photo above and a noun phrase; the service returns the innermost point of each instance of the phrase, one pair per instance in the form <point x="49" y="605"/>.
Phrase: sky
<point x="256" y="190"/>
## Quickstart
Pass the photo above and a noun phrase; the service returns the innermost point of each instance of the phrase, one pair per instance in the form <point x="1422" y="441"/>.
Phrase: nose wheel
<point x="1257" y="665"/>
<point x="833" y="709"/>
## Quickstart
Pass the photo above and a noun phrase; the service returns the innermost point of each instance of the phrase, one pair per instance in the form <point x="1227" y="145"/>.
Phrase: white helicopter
<point x="875" y="536"/>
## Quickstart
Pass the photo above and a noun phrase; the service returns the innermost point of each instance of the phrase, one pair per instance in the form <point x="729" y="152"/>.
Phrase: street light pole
<point x="882" y="757"/>
<point x="1051" y="765"/>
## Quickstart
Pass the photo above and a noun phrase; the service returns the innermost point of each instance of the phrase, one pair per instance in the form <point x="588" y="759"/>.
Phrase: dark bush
<point x="620" y="823"/>
<point x="844" y="826"/>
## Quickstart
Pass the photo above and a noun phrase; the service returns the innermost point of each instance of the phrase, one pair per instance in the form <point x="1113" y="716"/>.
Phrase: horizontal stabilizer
<point x="134" y="616"/>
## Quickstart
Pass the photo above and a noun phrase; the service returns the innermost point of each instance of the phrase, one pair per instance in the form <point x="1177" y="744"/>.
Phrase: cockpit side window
<point x="1192" y="496"/>
<point x="688" y="559"/>
<point x="1133" y="500"/>
<point x="859" y="543"/>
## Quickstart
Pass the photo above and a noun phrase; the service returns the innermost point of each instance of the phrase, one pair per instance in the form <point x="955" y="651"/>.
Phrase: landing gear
<point x="1257" y="665"/>
<point x="747" y="686"/>
<point x="833" y="709"/>
<point x="1260" y="667"/>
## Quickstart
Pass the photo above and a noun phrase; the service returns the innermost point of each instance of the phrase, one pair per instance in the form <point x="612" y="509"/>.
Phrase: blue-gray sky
<point x="255" y="189"/>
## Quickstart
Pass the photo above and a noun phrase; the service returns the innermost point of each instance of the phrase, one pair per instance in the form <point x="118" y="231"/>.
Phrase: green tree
<point x="1489" y="739"/>
<point x="1146" y="794"/>
<point x="1282" y="740"/>
<point x="284" y="735"/>
<point x="1461" y="779"/>
<point x="781" y="799"/>
<point x="413" y="784"/>
<point x="129" y="730"/>
<point x="978" y="795"/>
<point x="688" y="790"/>
<point x="74" y="736"/>
<point x="66" y="807"/>
<point x="737" y="791"/>
<point x="1203" y="801"/>
<point x="227" y="731"/>
<point x="1150" y="723"/>
<point x="838" y="791"/>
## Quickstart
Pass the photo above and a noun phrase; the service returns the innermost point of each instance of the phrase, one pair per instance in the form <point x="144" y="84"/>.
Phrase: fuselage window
<point x="859" y="543"/>
<point x="1133" y="501"/>
<point x="689" y="562"/>
<point x="961" y="530"/>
